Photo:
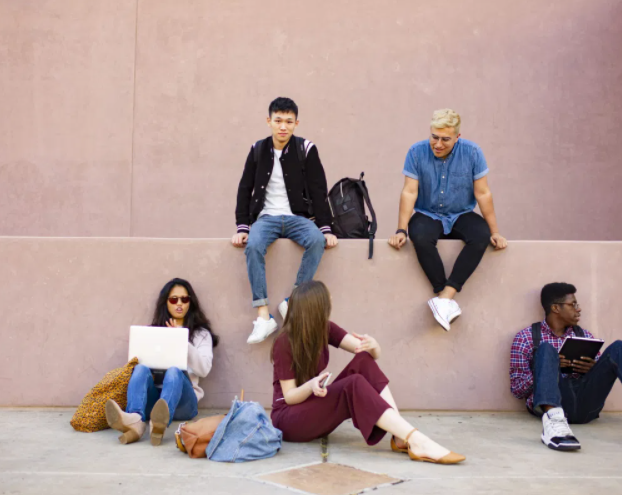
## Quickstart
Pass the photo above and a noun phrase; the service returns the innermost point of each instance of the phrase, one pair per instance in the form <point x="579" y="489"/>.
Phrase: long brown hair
<point x="306" y="326"/>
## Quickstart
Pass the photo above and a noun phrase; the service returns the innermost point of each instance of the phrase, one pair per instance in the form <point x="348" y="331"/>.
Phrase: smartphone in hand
<point x="325" y="382"/>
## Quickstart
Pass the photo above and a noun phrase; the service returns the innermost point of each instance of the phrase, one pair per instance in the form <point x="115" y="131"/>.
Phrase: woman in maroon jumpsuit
<point x="304" y="410"/>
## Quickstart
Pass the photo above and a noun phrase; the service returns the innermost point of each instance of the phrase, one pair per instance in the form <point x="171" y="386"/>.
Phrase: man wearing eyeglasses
<point x="445" y="178"/>
<point x="535" y="372"/>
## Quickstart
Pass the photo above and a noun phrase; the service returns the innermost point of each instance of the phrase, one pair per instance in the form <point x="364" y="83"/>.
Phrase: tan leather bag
<point x="192" y="438"/>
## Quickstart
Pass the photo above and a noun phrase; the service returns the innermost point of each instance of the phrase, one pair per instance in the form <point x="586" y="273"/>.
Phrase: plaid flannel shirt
<point x="521" y="377"/>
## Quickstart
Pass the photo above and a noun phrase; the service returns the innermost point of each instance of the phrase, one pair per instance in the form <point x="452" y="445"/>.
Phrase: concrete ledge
<point x="67" y="304"/>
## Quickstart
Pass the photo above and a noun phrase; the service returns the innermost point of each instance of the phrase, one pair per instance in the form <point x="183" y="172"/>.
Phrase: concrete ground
<point x="41" y="453"/>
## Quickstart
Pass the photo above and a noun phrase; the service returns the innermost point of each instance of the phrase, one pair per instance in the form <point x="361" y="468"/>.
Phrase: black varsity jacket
<point x="252" y="188"/>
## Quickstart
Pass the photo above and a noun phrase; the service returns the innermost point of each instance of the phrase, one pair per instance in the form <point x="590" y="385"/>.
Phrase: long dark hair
<point x="195" y="318"/>
<point x="306" y="326"/>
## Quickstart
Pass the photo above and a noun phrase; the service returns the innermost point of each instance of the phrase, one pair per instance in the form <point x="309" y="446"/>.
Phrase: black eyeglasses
<point x="575" y="304"/>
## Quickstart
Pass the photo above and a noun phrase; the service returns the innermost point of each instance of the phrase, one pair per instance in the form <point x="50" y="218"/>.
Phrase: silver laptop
<point x="159" y="348"/>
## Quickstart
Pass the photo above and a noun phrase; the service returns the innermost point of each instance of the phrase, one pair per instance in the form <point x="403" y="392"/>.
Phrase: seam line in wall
<point x="131" y="226"/>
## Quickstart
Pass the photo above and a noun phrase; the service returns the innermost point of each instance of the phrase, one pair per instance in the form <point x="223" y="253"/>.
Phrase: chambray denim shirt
<point x="445" y="185"/>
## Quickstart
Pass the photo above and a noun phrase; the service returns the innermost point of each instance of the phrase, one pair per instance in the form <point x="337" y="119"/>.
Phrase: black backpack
<point x="536" y="336"/>
<point x="347" y="200"/>
<point x="299" y="143"/>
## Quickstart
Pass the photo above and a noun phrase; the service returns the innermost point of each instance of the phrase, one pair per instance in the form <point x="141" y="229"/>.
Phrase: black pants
<point x="424" y="232"/>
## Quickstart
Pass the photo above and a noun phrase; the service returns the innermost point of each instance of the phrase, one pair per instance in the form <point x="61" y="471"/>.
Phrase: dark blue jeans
<point x="581" y="398"/>
<point x="268" y="229"/>
<point x="177" y="391"/>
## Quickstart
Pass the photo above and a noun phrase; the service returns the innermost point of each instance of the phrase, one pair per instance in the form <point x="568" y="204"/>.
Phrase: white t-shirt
<point x="276" y="200"/>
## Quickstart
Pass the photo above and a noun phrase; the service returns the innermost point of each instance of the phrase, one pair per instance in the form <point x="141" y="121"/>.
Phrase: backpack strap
<point x="257" y="150"/>
<point x="374" y="224"/>
<point x="536" y="336"/>
<point x="578" y="331"/>
<point x="302" y="148"/>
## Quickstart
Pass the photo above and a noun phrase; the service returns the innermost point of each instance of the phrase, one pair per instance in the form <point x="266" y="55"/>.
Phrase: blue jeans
<point x="268" y="229"/>
<point x="177" y="391"/>
<point x="581" y="398"/>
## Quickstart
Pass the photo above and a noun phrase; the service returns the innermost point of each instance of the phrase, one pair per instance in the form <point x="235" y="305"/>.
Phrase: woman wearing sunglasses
<point x="177" y="397"/>
<point x="305" y="408"/>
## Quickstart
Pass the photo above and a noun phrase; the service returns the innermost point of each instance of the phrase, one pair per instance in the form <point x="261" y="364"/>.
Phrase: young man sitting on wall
<point x="282" y="194"/>
<point x="535" y="373"/>
<point x="445" y="177"/>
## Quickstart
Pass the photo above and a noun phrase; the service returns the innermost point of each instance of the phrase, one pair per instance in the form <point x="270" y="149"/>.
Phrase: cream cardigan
<point x="200" y="356"/>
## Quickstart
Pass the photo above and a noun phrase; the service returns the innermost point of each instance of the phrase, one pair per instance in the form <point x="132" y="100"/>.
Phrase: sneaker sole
<point x="438" y="318"/>
<point x="282" y="310"/>
<point x="454" y="317"/>
<point x="563" y="447"/>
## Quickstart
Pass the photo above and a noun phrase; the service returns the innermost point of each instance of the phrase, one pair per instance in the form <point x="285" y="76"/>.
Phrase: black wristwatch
<point x="401" y="231"/>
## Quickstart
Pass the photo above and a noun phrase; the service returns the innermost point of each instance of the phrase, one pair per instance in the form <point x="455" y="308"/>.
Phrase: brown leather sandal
<point x="451" y="458"/>
<point x="395" y="448"/>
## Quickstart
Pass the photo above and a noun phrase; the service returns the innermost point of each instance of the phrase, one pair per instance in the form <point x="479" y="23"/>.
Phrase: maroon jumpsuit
<point x="355" y="394"/>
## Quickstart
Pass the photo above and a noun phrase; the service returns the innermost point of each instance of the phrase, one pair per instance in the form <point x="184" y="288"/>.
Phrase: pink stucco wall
<point x="67" y="305"/>
<point x="133" y="117"/>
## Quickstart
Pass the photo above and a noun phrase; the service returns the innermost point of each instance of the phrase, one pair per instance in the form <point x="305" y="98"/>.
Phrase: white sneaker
<point x="262" y="330"/>
<point x="454" y="311"/>
<point x="440" y="309"/>
<point x="283" y="308"/>
<point x="556" y="434"/>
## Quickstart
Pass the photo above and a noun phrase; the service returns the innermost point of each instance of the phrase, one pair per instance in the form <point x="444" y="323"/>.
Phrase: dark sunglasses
<point x="174" y="299"/>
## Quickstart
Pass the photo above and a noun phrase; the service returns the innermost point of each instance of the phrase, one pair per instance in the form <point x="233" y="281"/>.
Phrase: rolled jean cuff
<point x="537" y="408"/>
<point x="257" y="303"/>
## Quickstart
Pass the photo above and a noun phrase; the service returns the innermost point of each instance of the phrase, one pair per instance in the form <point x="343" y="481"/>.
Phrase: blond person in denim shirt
<point x="445" y="179"/>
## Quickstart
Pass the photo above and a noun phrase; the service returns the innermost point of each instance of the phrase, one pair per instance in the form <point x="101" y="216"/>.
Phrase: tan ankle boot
<point x="130" y="424"/>
<point x="159" y="421"/>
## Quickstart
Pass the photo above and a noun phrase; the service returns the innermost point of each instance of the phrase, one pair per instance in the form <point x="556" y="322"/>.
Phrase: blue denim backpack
<point x="246" y="434"/>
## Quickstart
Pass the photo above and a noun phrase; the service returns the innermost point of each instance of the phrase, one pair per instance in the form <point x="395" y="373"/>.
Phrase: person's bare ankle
<point x="399" y="443"/>
<point x="447" y="293"/>
<point x="423" y="446"/>
<point x="264" y="313"/>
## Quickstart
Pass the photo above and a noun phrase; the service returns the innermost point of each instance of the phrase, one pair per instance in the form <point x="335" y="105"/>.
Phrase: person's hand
<point x="316" y="385"/>
<point x="239" y="240"/>
<point x="397" y="240"/>
<point x="331" y="240"/>
<point x="171" y="323"/>
<point x="563" y="362"/>
<point x="498" y="241"/>
<point x="583" y="365"/>
<point x="368" y="343"/>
